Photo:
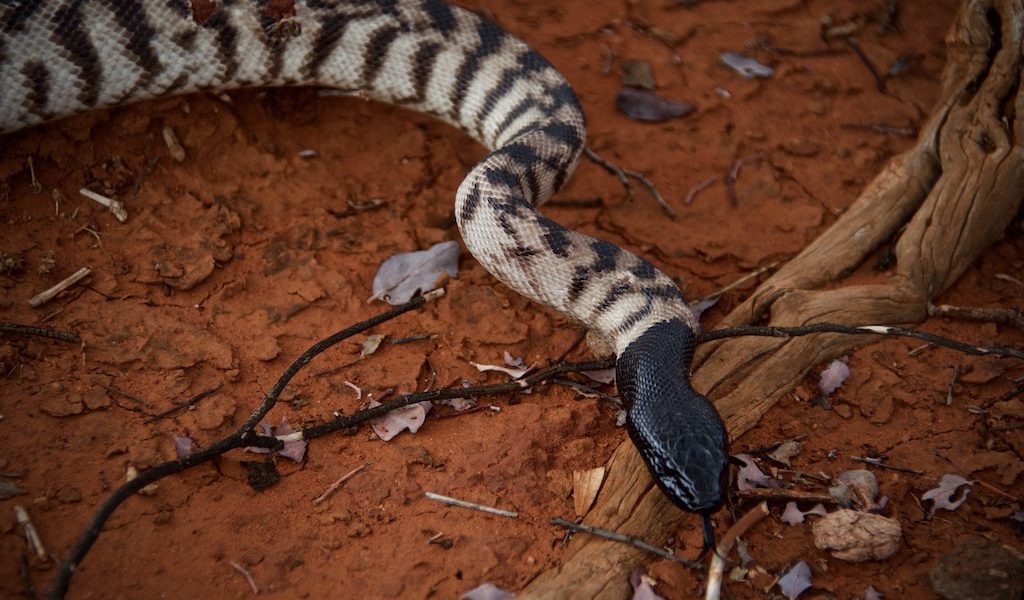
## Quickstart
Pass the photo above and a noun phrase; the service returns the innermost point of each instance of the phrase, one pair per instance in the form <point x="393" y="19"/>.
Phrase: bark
<point x="955" y="192"/>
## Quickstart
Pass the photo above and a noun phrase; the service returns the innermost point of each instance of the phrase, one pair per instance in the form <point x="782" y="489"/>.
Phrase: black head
<point x="677" y="431"/>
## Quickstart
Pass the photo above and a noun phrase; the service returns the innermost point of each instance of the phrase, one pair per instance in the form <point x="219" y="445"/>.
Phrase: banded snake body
<point x="60" y="57"/>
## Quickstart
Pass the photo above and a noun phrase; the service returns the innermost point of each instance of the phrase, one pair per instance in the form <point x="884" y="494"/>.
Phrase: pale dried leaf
<point x="403" y="275"/>
<point x="295" y="450"/>
<point x="857" y="536"/>
<point x="605" y="376"/>
<point x="786" y="451"/>
<point x="747" y="67"/>
<point x="585" y="486"/>
<point x="409" y="417"/>
<point x="645" y="591"/>
<point x="793" y="515"/>
<point x="943" y="495"/>
<point x="750" y="476"/>
<point x="796" y="581"/>
<point x="833" y="376"/>
<point x="513" y="372"/>
<point x="182" y="446"/>
<point x="487" y="591"/>
<point x="872" y="594"/>
<point x="641" y="105"/>
<point x="370" y="344"/>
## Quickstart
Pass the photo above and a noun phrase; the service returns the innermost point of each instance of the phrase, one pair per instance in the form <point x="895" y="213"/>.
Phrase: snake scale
<point x="59" y="57"/>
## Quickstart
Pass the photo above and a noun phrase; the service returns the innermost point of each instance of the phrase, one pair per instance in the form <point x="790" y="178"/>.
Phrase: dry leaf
<point x="641" y="105"/>
<point x="585" y="485"/>
<point x="942" y="496"/>
<point x="796" y="580"/>
<point x="856" y="536"/>
<point x="402" y="276"/>
<point x="409" y="417"/>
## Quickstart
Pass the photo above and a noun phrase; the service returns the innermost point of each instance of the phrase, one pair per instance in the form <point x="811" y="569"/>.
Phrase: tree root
<point x="955" y="193"/>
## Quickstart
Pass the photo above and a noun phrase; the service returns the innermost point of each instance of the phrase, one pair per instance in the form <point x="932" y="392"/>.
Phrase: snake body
<point x="59" y="57"/>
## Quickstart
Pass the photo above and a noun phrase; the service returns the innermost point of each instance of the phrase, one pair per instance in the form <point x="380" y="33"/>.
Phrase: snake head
<point x="677" y="431"/>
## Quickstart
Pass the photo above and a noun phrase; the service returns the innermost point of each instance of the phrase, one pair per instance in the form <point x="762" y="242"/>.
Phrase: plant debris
<point x="642" y="105"/>
<point x="747" y="67"/>
<point x="942" y="496"/>
<point x="406" y="274"/>
<point x="796" y="581"/>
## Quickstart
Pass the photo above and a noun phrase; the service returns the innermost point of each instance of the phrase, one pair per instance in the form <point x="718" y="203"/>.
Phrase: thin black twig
<point x="734" y="174"/>
<point x="625" y="174"/>
<point x="879" y="82"/>
<point x="53" y="334"/>
<point x="632" y="540"/>
<point x="124" y="394"/>
<point x="243" y="436"/>
<point x="878" y="463"/>
<point x="785" y="332"/>
<point x="189" y="404"/>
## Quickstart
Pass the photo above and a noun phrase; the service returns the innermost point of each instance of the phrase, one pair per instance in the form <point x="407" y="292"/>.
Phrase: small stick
<point x="907" y="132"/>
<point x="413" y="338"/>
<point x="337" y="484"/>
<point x="751" y="275"/>
<point x="473" y="505"/>
<point x="700" y="187"/>
<point x="780" y="494"/>
<point x="734" y="173"/>
<point x="919" y="349"/>
<point x="190" y="403"/>
<point x="116" y="208"/>
<point x="879" y="82"/>
<point x="35" y="185"/>
<point x="1004" y="316"/>
<point x="173" y="145"/>
<point x="588" y="391"/>
<point x="64" y="336"/>
<point x="878" y="463"/>
<point x="717" y="569"/>
<point x="625" y="174"/>
<point x="31" y="535"/>
<point x="623" y="538"/>
<point x="952" y="384"/>
<point x="45" y="296"/>
<point x="245" y="573"/>
<point x="124" y="394"/>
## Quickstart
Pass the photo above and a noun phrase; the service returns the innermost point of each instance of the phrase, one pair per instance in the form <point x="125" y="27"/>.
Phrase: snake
<point x="61" y="57"/>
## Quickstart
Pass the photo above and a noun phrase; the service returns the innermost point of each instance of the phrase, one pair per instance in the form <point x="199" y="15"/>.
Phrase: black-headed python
<point x="60" y="57"/>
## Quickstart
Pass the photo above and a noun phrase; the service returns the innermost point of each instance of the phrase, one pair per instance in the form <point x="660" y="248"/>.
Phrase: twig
<point x="189" y="404"/>
<point x="245" y="573"/>
<point x="700" y="187"/>
<point x="952" y="384"/>
<point x="625" y="174"/>
<point x="243" y="436"/>
<point x="780" y="494"/>
<point x="413" y="338"/>
<point x="55" y="334"/>
<point x="785" y="332"/>
<point x="473" y="505"/>
<point x="1004" y="316"/>
<point x="734" y="173"/>
<point x="996" y="490"/>
<point x="31" y="535"/>
<point x="35" y="185"/>
<point x="124" y="394"/>
<point x="334" y="486"/>
<point x="717" y="569"/>
<point x="586" y="390"/>
<point x="907" y="132"/>
<point x="45" y="296"/>
<point x="878" y="463"/>
<point x="879" y="82"/>
<point x="623" y="538"/>
<point x="745" y="278"/>
<point x="116" y="208"/>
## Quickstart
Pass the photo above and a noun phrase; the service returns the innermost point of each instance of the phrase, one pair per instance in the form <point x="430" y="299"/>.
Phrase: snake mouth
<point x="677" y="431"/>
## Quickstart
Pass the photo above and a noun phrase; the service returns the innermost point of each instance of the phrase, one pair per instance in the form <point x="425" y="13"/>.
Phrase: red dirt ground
<point x="231" y="264"/>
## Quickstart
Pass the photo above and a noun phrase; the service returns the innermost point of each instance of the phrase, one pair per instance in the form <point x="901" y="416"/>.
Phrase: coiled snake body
<point x="59" y="57"/>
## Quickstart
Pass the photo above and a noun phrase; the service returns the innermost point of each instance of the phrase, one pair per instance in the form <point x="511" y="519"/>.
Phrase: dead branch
<point x="953" y="204"/>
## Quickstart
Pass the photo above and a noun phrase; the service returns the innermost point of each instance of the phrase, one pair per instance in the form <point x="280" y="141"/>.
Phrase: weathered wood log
<point x="955" y="192"/>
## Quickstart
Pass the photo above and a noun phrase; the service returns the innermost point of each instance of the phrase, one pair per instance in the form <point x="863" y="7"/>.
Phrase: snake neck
<point x="678" y="432"/>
